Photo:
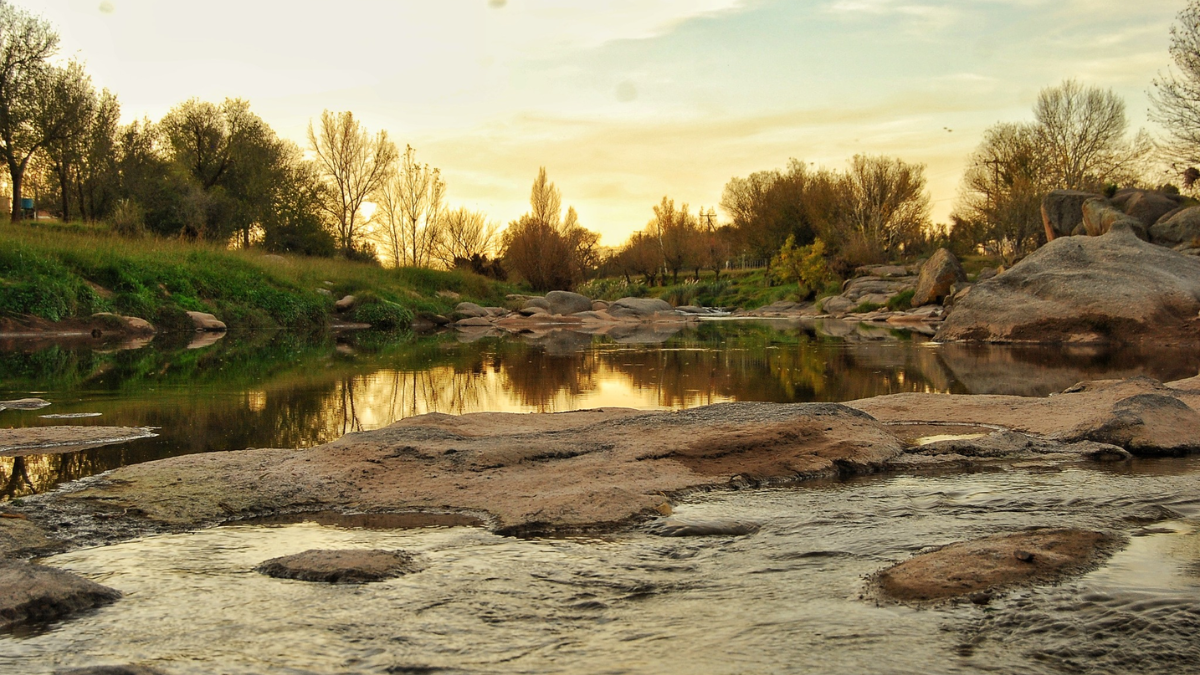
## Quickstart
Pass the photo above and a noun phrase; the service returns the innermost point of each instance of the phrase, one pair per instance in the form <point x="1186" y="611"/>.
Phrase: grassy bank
<point x="747" y="289"/>
<point x="58" y="272"/>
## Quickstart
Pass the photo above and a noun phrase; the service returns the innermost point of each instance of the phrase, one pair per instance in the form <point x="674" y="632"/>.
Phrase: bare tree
<point x="353" y="164"/>
<point x="466" y="235"/>
<point x="410" y="204"/>
<point x="887" y="204"/>
<point x="1083" y="131"/>
<point x="1176" y="96"/>
<point x="679" y="237"/>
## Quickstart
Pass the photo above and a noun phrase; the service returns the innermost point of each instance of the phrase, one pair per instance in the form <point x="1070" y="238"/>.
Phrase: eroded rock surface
<point x="340" y="566"/>
<point x="59" y="439"/>
<point x="31" y="592"/>
<point x="111" y="670"/>
<point x="993" y="564"/>
<point x="1084" y="289"/>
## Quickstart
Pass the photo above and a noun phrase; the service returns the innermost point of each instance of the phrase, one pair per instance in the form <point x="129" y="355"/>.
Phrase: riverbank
<point x="62" y="274"/>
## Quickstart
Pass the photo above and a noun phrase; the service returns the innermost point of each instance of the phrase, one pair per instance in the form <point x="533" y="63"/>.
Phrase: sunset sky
<point x="625" y="101"/>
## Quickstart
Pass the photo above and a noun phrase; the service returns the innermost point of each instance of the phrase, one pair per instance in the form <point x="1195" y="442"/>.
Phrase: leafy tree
<point x="546" y="250"/>
<point x="805" y="265"/>
<point x="466" y="236"/>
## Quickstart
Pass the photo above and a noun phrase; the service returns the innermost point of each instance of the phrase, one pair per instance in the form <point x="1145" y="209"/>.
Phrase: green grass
<point x="58" y="272"/>
<point x="747" y="289"/>
<point x="901" y="301"/>
<point x="864" y="307"/>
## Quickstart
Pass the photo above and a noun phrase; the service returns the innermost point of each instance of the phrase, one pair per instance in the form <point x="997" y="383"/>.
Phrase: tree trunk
<point x="63" y="183"/>
<point x="17" y="174"/>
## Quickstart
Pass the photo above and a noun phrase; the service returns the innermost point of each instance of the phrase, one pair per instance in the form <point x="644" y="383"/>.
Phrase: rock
<point x="449" y="295"/>
<point x="534" y="311"/>
<point x="61" y="439"/>
<point x="639" y="307"/>
<point x="435" y="319"/>
<point x="1183" y="228"/>
<point x="127" y="324"/>
<point x="599" y="305"/>
<point x="24" y="404"/>
<point x="469" y="310"/>
<point x="1099" y="217"/>
<point x="38" y="593"/>
<point x="566" y="303"/>
<point x="1148" y="207"/>
<point x="882" y="271"/>
<point x="693" y="309"/>
<point x="325" y="292"/>
<point x="497" y="311"/>
<point x="344" y="567"/>
<point x="838" y="304"/>
<point x="1090" y="289"/>
<point x="345" y="304"/>
<point x="539" y="303"/>
<point x="856" y="289"/>
<point x="111" y="670"/>
<point x="986" y="273"/>
<point x="1147" y="425"/>
<point x="992" y="564"/>
<point x="206" y="322"/>
<point x="473" y="321"/>
<point x="937" y="275"/>
<point x="1062" y="212"/>
<point x="678" y="527"/>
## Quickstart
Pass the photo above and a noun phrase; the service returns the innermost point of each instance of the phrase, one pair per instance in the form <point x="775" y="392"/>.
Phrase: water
<point x="285" y="390"/>
<point x="784" y="600"/>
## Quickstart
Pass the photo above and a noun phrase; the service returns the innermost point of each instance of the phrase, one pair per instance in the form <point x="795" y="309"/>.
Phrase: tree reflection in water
<point x="287" y="390"/>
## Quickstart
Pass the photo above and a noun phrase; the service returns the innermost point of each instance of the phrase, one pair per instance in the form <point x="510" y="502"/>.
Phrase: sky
<point x="626" y="101"/>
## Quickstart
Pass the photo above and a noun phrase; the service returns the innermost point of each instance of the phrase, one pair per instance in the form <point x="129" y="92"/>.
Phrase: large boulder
<point x="1084" y="289"/>
<point x="536" y="303"/>
<point x="937" y="276"/>
<point x="566" y="302"/>
<point x="344" y="567"/>
<point x="1147" y="207"/>
<point x="31" y="592"/>
<point x="639" y="307"/>
<point x="861" y="287"/>
<point x="1062" y="212"/>
<point x="1181" y="228"/>
<point x="1099" y="217"/>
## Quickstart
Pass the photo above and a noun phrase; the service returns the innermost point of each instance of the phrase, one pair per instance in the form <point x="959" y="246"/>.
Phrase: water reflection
<point x="287" y="390"/>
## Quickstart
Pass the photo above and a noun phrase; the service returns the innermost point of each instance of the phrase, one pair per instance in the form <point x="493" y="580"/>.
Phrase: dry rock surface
<point x="30" y="592"/>
<point x="981" y="567"/>
<point x="60" y="439"/>
<point x="341" y="566"/>
<point x="111" y="670"/>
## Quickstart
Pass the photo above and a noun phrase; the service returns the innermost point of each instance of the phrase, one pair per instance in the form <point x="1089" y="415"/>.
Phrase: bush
<point x="901" y="301"/>
<point x="612" y="289"/>
<point x="380" y="313"/>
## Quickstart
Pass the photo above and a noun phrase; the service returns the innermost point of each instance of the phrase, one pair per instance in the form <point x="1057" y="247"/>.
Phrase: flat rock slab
<point x="344" y="566"/>
<point x="60" y="439"/>
<point x="31" y="592"/>
<point x="992" y="564"/>
<point x="111" y="670"/>
<point x="24" y="404"/>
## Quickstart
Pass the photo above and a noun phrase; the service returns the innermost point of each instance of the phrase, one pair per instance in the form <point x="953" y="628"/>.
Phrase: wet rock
<point x="937" y="276"/>
<point x="126" y="324"/>
<point x="435" y="319"/>
<point x="111" y="670"/>
<point x="340" y="566"/>
<point x="678" y="527"/>
<point x="639" y="307"/>
<point x="61" y="439"/>
<point x="469" y="310"/>
<point x="20" y="538"/>
<point x="1062" y="212"/>
<point x="31" y="592"/>
<point x="1084" y="289"/>
<point x="345" y="304"/>
<point x="1183" y="228"/>
<point x="992" y="564"/>
<point x="206" y="322"/>
<point x="1148" y="425"/>
<point x="566" y="303"/>
<point x="24" y="404"/>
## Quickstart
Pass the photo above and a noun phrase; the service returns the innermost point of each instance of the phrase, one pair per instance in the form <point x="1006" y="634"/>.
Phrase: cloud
<point x="107" y="7"/>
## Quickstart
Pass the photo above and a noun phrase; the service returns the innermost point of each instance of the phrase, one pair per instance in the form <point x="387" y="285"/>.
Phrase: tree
<point x="293" y="223"/>
<point x="542" y="248"/>
<point x="641" y="255"/>
<point x="466" y="235"/>
<point x="1083" y="131"/>
<point x="410" y="205"/>
<point x="353" y="164"/>
<point x="1175" y="99"/>
<point x="679" y="237"/>
<point x="887" y="205"/>
<point x="1002" y="192"/>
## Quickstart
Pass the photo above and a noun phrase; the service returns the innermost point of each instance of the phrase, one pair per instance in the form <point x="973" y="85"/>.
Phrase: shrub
<point x="380" y="313"/>
<point x="901" y="301"/>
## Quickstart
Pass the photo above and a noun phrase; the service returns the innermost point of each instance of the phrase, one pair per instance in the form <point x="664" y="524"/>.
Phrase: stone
<point x="639" y="307"/>
<point x="1099" y="217"/>
<point x="435" y="319"/>
<point x="1148" y="207"/>
<point x="1062" y="212"/>
<point x="938" y="274"/>
<point x="340" y="566"/>
<point x="882" y="271"/>
<point x="345" y="304"/>
<point x="497" y="311"/>
<point x="993" y="564"/>
<point x="24" y="404"/>
<point x="1111" y="288"/>
<point x="449" y="295"/>
<point x="539" y="303"/>
<point x="679" y="527"/>
<point x="1147" y="425"/>
<point x="111" y="670"/>
<point x="838" y="304"/>
<point x="566" y="303"/>
<point x="855" y="289"/>
<point x="126" y="324"/>
<point x="599" y="305"/>
<point x="325" y="292"/>
<point x="1183" y="228"/>
<point x="473" y="321"/>
<point x="469" y="310"/>
<point x="986" y="273"/>
<point x="534" y="311"/>
<point x="61" y="439"/>
<point x="206" y="323"/>
<point x="38" y="593"/>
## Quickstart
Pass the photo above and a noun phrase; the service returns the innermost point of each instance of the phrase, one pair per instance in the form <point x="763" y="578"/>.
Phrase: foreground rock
<point x="639" y="307"/>
<point x="43" y="440"/>
<point x="984" y="566"/>
<point x="111" y="670"/>
<point x="1085" y="289"/>
<point x="31" y="592"/>
<point x="340" y="567"/>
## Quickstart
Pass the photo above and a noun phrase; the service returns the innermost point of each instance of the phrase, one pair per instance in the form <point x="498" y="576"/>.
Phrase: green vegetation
<point x="864" y="307"/>
<point x="57" y="272"/>
<point x="901" y="301"/>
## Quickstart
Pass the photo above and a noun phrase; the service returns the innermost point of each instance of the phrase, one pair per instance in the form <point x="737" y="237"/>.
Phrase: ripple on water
<point x="785" y="599"/>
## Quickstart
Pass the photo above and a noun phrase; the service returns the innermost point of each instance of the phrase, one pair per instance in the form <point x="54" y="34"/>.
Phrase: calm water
<point x="784" y="600"/>
<point x="286" y="390"/>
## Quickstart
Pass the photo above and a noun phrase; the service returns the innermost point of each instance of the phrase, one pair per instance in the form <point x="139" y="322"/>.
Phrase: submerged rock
<point x="1084" y="289"/>
<point x="345" y="567"/>
<point x="678" y="527"/>
<point x="984" y="566"/>
<point x="31" y="592"/>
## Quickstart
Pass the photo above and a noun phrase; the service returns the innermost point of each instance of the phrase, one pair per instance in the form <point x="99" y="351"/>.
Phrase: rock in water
<point x="469" y="310"/>
<point x="938" y="274"/>
<point x="206" y="322"/>
<point x="639" y="307"/>
<point x="679" y="527"/>
<point x="24" y="404"/>
<point x="566" y="303"/>
<point x="993" y="563"/>
<point x="1147" y="425"/>
<point x="346" y="567"/>
<point x="1062" y="212"/>
<point x="31" y="592"/>
<point x="1084" y="289"/>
